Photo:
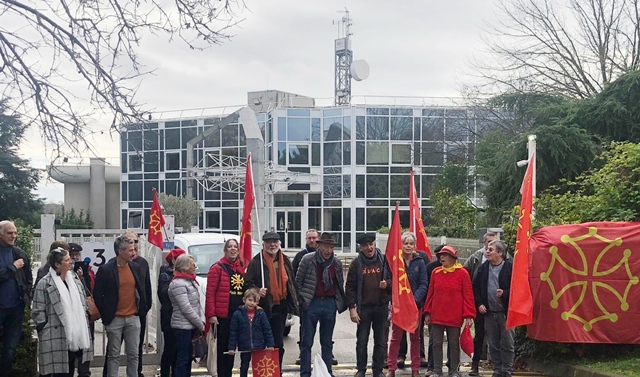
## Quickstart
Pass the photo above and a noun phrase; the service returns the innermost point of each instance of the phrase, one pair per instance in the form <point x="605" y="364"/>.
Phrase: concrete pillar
<point x="98" y="193"/>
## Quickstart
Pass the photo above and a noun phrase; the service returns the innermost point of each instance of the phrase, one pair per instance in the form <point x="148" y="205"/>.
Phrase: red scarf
<point x="182" y="275"/>
<point x="235" y="266"/>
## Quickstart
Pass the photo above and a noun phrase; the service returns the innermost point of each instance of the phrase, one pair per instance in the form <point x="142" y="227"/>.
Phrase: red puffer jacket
<point x="218" y="288"/>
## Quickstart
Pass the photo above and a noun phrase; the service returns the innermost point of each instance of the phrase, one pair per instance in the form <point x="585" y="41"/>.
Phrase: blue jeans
<point x="323" y="310"/>
<point x="183" y="344"/>
<point x="11" y="323"/>
<point x="501" y="343"/>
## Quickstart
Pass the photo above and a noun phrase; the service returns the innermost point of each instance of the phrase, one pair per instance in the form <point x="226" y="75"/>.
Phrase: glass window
<point x="416" y="128"/>
<point x="282" y="154"/>
<point x="360" y="186"/>
<point x="288" y="200"/>
<point x="315" y="218"/>
<point x="360" y="128"/>
<point x="299" y="154"/>
<point x="135" y="191"/>
<point x="150" y="140"/>
<point x="332" y="186"/>
<point x="282" y="129"/>
<point x="401" y="128"/>
<point x="315" y="154"/>
<point x="456" y="113"/>
<point x="315" y="129"/>
<point x="427" y="185"/>
<point x="172" y="187"/>
<point x="332" y="129"/>
<point x="433" y="154"/>
<point x="230" y="220"/>
<point x="346" y="153"/>
<point x="332" y="154"/>
<point x="346" y="186"/>
<point x="212" y="219"/>
<point x="332" y="113"/>
<point x="399" y="186"/>
<point x="456" y="129"/>
<point x="377" y="153"/>
<point x="377" y="186"/>
<point x="377" y="111"/>
<point x="134" y="140"/>
<point x="172" y="138"/>
<point x="135" y="162"/>
<point x="149" y="185"/>
<point x="377" y="218"/>
<point x="400" y="153"/>
<point x="151" y="161"/>
<point x="230" y="136"/>
<point x="188" y="134"/>
<point x="346" y="128"/>
<point x="298" y="112"/>
<point x="134" y="220"/>
<point x="123" y="162"/>
<point x="213" y="140"/>
<point x="457" y="153"/>
<point x="438" y="113"/>
<point x="315" y="200"/>
<point x="298" y="129"/>
<point x="360" y="153"/>
<point x="405" y="112"/>
<point x="432" y="129"/>
<point x="123" y="191"/>
<point x="360" y="220"/>
<point x="377" y="128"/>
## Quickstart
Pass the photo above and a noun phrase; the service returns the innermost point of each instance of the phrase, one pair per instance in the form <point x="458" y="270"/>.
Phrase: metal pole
<point x="531" y="147"/>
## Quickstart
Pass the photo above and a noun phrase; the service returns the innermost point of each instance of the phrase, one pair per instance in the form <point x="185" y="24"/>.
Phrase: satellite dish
<point x="359" y="70"/>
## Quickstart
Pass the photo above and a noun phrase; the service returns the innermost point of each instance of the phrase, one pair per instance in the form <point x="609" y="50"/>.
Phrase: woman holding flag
<point x="416" y="275"/>
<point x="450" y="302"/>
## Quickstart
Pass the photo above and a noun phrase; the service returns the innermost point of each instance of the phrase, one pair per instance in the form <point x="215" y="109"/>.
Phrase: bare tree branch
<point x="50" y="49"/>
<point x="570" y="47"/>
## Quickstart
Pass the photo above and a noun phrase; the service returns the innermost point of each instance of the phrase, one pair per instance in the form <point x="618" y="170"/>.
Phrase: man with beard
<point x="320" y="284"/>
<point x="312" y="244"/>
<point x="277" y="290"/>
<point x="368" y="301"/>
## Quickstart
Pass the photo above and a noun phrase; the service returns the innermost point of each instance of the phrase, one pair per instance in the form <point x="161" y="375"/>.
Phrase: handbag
<point x="198" y="346"/>
<point x="94" y="313"/>
<point x="466" y="340"/>
<point x="212" y="354"/>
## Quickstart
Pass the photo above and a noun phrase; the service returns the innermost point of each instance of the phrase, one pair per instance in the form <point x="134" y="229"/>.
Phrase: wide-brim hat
<point x="271" y="236"/>
<point x="327" y="239"/>
<point x="448" y="250"/>
<point x="366" y="238"/>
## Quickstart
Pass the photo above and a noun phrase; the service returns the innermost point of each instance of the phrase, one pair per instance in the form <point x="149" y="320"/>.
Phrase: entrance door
<point x="289" y="226"/>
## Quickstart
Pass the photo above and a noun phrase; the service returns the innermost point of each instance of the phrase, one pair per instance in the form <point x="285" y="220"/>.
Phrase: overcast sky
<point x="416" y="48"/>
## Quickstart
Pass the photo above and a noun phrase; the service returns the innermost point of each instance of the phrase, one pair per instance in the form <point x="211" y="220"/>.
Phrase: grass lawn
<point x="624" y="367"/>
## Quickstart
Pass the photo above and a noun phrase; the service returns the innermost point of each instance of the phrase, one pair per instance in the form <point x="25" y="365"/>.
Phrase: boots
<point x="474" y="370"/>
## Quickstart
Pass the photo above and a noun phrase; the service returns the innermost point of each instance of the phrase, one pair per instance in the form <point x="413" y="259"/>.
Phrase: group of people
<point x="247" y="306"/>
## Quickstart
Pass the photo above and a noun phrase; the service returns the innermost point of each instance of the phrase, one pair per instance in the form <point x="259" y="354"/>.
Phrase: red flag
<point x="245" y="231"/>
<point x="520" y="301"/>
<point x="156" y="222"/>
<point x="265" y="363"/>
<point x="584" y="280"/>
<point x="405" y="311"/>
<point x="416" y="226"/>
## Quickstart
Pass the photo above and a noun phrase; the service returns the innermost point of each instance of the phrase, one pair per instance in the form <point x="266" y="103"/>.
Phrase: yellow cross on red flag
<point x="415" y="218"/>
<point x="245" y="230"/>
<point x="520" y="300"/>
<point x="405" y="311"/>
<point x="156" y="222"/>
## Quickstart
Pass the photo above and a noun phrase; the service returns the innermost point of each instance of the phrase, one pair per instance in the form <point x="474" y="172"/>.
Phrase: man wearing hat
<point x="168" y="360"/>
<point x="320" y="285"/>
<point x="368" y="299"/>
<point x="277" y="289"/>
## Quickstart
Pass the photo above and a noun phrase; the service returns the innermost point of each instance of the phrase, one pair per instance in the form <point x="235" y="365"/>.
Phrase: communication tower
<point x="345" y="67"/>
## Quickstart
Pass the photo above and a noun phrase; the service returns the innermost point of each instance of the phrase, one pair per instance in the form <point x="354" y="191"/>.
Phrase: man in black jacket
<point x="15" y="293"/>
<point x="491" y="290"/>
<point x="310" y="247"/>
<point x="170" y="351"/>
<point x="120" y="297"/>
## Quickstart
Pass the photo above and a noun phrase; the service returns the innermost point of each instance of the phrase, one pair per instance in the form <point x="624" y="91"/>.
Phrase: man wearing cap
<point x="472" y="265"/>
<point x="320" y="284"/>
<point x="368" y="299"/>
<point x="491" y="289"/>
<point x="277" y="289"/>
<point x="168" y="359"/>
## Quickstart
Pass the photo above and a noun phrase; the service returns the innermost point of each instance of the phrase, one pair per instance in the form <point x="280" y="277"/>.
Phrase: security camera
<point x="522" y="163"/>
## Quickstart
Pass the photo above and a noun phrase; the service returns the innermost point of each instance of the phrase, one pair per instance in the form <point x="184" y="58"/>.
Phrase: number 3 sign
<point x="99" y="252"/>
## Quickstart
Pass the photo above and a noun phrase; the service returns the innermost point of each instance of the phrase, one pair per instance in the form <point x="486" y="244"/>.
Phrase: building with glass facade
<point x="347" y="166"/>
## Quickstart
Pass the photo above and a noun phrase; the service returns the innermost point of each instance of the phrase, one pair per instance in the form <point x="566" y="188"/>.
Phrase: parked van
<point x="207" y="249"/>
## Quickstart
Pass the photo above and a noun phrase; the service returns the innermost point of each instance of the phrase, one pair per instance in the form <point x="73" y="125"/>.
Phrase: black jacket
<point x="145" y="279"/>
<point x="105" y="292"/>
<point x="24" y="276"/>
<point x="166" y="307"/>
<point x="481" y="282"/>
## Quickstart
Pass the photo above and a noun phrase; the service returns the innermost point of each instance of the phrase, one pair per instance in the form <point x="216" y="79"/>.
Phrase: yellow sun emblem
<point x="237" y="281"/>
<point x="266" y="367"/>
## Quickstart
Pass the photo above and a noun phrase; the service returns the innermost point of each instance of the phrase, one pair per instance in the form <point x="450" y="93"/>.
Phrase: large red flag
<point x="415" y="218"/>
<point x="520" y="301"/>
<point x="265" y="363"/>
<point x="405" y="311"/>
<point x="156" y="222"/>
<point x="245" y="231"/>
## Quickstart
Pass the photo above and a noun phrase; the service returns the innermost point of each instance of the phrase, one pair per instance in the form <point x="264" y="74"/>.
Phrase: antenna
<point x="345" y="67"/>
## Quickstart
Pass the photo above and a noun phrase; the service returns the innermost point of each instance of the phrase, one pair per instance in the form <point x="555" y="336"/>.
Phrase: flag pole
<point x="255" y="205"/>
<point x="164" y="229"/>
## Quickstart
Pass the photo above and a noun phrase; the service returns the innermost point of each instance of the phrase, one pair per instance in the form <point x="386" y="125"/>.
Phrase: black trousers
<point x="225" y="362"/>
<point x="371" y="317"/>
<point x="169" y="354"/>
<point x="478" y="341"/>
<point x="277" y="322"/>
<point x="403" y="342"/>
<point x="245" y="362"/>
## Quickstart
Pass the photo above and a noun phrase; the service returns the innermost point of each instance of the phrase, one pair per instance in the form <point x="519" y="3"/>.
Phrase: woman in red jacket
<point x="225" y="286"/>
<point x="450" y="302"/>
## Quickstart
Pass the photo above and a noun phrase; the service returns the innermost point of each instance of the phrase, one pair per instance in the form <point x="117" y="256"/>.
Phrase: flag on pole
<point x="416" y="225"/>
<point x="245" y="231"/>
<point x="156" y="222"/>
<point x="405" y="311"/>
<point x="521" y="301"/>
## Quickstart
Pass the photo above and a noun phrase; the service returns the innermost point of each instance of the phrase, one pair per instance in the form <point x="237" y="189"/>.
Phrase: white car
<point x="207" y="249"/>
